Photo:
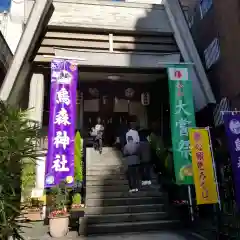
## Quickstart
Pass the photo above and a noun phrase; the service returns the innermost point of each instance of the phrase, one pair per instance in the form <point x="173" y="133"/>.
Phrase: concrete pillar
<point x="36" y="98"/>
<point x="77" y="125"/>
<point x="36" y="107"/>
<point x="81" y="111"/>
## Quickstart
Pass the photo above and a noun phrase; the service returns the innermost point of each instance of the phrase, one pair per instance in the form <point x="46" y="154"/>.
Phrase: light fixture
<point x="114" y="77"/>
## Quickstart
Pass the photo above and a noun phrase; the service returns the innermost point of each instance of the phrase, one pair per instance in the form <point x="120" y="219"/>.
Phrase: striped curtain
<point x="224" y="105"/>
<point x="212" y="53"/>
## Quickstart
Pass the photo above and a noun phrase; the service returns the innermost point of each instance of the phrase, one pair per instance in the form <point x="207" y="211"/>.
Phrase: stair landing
<point x="39" y="231"/>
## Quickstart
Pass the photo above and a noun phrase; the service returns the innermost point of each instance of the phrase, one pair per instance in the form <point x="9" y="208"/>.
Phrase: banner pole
<point x="190" y="203"/>
<point x="214" y="168"/>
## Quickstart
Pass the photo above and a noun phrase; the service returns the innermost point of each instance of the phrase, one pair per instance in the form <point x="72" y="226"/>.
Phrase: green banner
<point x="182" y="117"/>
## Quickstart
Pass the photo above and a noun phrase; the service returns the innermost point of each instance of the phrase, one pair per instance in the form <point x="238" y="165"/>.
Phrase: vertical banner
<point x="203" y="169"/>
<point x="61" y="129"/>
<point x="182" y="117"/>
<point x="232" y="128"/>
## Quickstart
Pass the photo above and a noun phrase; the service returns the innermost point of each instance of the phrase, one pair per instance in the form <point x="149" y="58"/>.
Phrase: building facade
<point x="216" y="39"/>
<point x="122" y="49"/>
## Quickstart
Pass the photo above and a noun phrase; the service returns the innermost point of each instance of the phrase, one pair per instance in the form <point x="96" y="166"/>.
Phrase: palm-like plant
<point x="18" y="142"/>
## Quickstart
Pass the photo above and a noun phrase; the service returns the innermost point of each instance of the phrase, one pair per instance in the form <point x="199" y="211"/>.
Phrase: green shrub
<point x="18" y="139"/>
<point x="77" y="199"/>
<point x="78" y="158"/>
<point x="78" y="167"/>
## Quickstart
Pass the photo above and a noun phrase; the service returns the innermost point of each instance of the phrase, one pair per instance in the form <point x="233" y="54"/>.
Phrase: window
<point x="205" y="5"/>
<point x="212" y="53"/>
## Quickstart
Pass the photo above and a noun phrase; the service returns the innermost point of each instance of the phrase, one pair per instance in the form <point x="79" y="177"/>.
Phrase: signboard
<point x="61" y="129"/>
<point x="203" y="169"/>
<point x="182" y="117"/>
<point x="232" y="128"/>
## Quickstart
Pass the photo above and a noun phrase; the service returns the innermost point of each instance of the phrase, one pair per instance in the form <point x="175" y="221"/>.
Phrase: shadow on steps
<point x="111" y="209"/>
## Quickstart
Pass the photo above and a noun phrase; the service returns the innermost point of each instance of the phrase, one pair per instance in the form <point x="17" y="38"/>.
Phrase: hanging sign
<point x="104" y="100"/>
<point x="232" y="128"/>
<point x="129" y="93"/>
<point x="182" y="117"/>
<point x="94" y="92"/>
<point x="203" y="169"/>
<point x="61" y="129"/>
<point x="145" y="99"/>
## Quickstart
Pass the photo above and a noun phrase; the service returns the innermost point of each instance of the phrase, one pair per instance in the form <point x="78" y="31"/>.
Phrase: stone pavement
<point x="36" y="231"/>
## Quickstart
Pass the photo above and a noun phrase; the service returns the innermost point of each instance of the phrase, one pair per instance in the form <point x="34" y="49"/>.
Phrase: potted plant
<point x="59" y="216"/>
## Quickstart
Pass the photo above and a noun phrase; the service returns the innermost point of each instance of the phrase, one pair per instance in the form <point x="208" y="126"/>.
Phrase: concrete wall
<point x="222" y="22"/>
<point x="109" y="15"/>
<point x="106" y="14"/>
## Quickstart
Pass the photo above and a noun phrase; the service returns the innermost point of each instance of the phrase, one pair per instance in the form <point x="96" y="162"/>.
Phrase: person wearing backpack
<point x="131" y="156"/>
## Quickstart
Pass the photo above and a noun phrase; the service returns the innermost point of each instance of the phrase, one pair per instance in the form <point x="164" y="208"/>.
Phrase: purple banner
<point x="232" y="127"/>
<point x="61" y="129"/>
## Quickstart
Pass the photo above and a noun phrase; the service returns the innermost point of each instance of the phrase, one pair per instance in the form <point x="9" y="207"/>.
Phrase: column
<point x="36" y="107"/>
<point x="81" y="112"/>
<point x="36" y="98"/>
<point x="78" y="106"/>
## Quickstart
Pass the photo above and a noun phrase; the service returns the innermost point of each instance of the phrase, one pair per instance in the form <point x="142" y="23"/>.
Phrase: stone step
<point x="116" y="176"/>
<point x="108" y="156"/>
<point x="103" y="163"/>
<point x="128" y="201"/>
<point x="124" y="188"/>
<point x="105" y="182"/>
<point x="105" y="172"/>
<point x="105" y="166"/>
<point x="126" y="194"/>
<point x="125" y="209"/>
<point x="105" y="150"/>
<point x="126" y="217"/>
<point x="107" y="188"/>
<point x="110" y="182"/>
<point x="107" y="177"/>
<point x="126" y="227"/>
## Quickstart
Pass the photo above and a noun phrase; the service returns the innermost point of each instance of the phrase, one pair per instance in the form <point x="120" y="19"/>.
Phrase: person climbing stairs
<point x="110" y="208"/>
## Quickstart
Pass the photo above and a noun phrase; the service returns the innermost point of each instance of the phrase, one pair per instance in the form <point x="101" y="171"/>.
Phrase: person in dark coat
<point x="131" y="155"/>
<point x="145" y="158"/>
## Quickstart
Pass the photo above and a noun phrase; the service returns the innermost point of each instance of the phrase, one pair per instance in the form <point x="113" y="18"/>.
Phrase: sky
<point x="4" y="5"/>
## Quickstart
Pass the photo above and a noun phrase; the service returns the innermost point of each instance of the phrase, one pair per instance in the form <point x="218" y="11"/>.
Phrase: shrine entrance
<point x="120" y="97"/>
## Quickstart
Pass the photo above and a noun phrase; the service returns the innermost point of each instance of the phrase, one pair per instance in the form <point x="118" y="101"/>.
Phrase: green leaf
<point x="18" y="155"/>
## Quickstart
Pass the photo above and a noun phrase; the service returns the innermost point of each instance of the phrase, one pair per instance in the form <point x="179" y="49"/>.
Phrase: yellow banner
<point x="203" y="172"/>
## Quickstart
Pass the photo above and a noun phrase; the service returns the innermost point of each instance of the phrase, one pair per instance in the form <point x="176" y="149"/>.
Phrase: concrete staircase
<point x="111" y="208"/>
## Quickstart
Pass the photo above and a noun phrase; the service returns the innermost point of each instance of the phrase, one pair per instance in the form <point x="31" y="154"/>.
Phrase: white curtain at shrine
<point x="121" y="105"/>
<point x="91" y="105"/>
<point x="137" y="109"/>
